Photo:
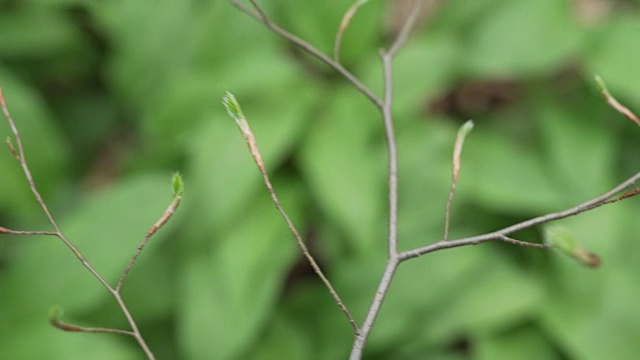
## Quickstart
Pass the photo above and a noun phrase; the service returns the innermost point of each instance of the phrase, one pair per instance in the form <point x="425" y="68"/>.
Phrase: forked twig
<point x="261" y="16"/>
<point x="18" y="153"/>
<point x="594" y="203"/>
<point x="384" y="105"/>
<point x="234" y="110"/>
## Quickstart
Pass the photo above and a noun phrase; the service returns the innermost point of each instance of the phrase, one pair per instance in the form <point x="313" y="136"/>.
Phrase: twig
<point x="234" y="110"/>
<point x="20" y="157"/>
<point x="158" y="224"/>
<point x="522" y="243"/>
<point x="384" y="105"/>
<point x="346" y="19"/>
<point x="496" y="235"/>
<point x="54" y="319"/>
<point x="20" y="232"/>
<point x="393" y="257"/>
<point x="613" y="102"/>
<point x="260" y="15"/>
<point x="457" y="152"/>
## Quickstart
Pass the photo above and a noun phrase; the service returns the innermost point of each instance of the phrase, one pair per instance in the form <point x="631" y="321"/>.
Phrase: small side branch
<point x="457" y="152"/>
<point x="346" y="19"/>
<point x="614" y="103"/>
<point x="234" y="110"/>
<point x="262" y="17"/>
<point x="18" y="153"/>
<point x="54" y="319"/>
<point x="522" y="243"/>
<point x="155" y="227"/>
<point x="594" y="203"/>
<point x="20" y="232"/>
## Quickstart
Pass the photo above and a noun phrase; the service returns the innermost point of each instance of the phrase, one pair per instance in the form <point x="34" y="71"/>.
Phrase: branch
<point x="178" y="187"/>
<point x="261" y="16"/>
<point x="601" y="200"/>
<point x="457" y="152"/>
<point x="20" y="157"/>
<point x="234" y="110"/>
<point x="613" y="102"/>
<point x="387" y="117"/>
<point x="346" y="19"/>
<point x="19" y="232"/>
<point x="54" y="319"/>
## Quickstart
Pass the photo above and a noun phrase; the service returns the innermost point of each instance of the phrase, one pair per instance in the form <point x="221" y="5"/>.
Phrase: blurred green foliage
<point x="113" y="96"/>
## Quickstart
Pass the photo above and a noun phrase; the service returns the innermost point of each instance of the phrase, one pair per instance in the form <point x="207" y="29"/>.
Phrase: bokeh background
<point x="113" y="96"/>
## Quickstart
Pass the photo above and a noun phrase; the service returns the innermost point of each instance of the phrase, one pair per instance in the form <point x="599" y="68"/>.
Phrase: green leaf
<point x="233" y="107"/>
<point x="614" y="54"/>
<point x="45" y="149"/>
<point x="54" y="35"/>
<point x="228" y="292"/>
<point x="322" y="20"/>
<point x="282" y="339"/>
<point x="507" y="176"/>
<point x="572" y="135"/>
<point x="343" y="161"/>
<point x="523" y="37"/>
<point x="498" y="296"/>
<point x="222" y="171"/>
<point x="17" y="343"/>
<point x="107" y="229"/>
<point x="563" y="239"/>
<point x="177" y="184"/>
<point x="522" y="344"/>
<point x="592" y="314"/>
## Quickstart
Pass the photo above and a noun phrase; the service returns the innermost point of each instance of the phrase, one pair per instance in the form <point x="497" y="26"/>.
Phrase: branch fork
<point x="56" y="312"/>
<point x="384" y="104"/>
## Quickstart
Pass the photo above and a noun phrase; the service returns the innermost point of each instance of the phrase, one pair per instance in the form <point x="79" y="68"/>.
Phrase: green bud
<point x="233" y="107"/>
<point x="177" y="184"/>
<point x="564" y="240"/>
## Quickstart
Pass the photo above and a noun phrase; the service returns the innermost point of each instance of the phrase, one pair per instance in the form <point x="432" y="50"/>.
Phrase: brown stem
<point x="20" y="157"/>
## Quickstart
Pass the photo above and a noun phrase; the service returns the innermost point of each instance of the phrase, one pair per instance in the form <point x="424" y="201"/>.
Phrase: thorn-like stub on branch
<point x="12" y="148"/>
<point x="564" y="240"/>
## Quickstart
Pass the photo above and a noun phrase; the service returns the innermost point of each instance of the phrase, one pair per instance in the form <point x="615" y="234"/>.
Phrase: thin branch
<point x="20" y="232"/>
<point x="54" y="319"/>
<point x="261" y="16"/>
<point x="346" y="19"/>
<point x="614" y="103"/>
<point x="20" y="157"/>
<point x="406" y="28"/>
<point x="522" y="243"/>
<point x="392" y="150"/>
<point x="383" y="288"/>
<point x="234" y="110"/>
<point x="158" y="224"/>
<point x="393" y="256"/>
<point x="134" y="327"/>
<point x="496" y="235"/>
<point x="457" y="152"/>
